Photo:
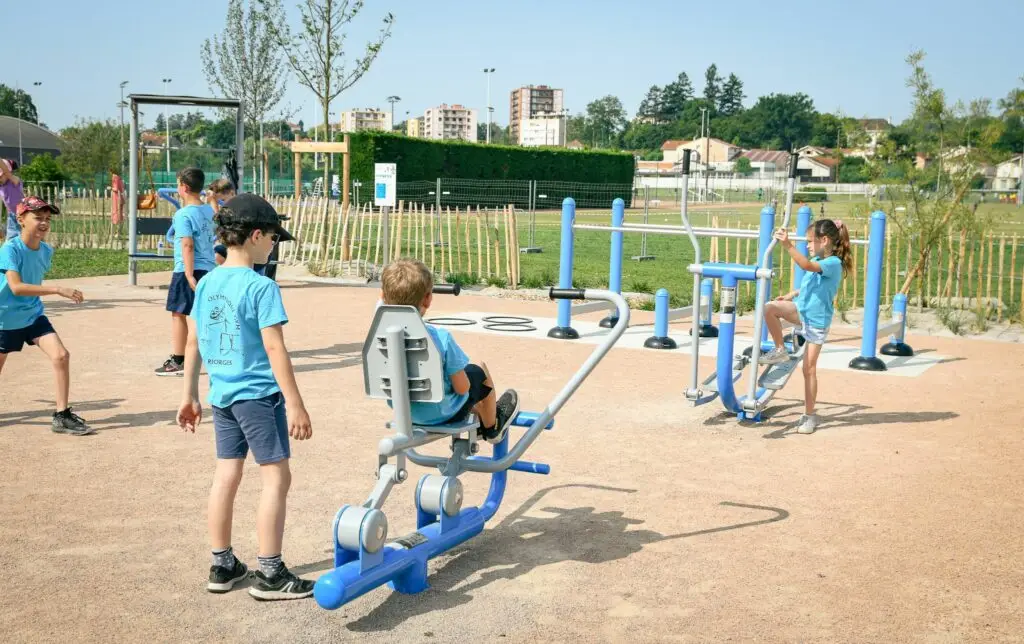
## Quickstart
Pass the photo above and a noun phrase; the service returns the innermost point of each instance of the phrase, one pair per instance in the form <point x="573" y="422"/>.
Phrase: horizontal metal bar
<point x="888" y="329"/>
<point x="160" y="99"/>
<point x="700" y="232"/>
<point x="590" y="307"/>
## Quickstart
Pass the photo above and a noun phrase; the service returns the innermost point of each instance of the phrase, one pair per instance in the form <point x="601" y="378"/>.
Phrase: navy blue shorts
<point x="259" y="424"/>
<point x="12" y="340"/>
<point x="180" y="296"/>
<point x="477" y="392"/>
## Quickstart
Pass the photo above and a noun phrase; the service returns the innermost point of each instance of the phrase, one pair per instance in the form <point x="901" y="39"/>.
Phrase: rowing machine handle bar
<point x="447" y="289"/>
<point x="566" y="293"/>
<point x="686" y="161"/>
<point x="793" y="158"/>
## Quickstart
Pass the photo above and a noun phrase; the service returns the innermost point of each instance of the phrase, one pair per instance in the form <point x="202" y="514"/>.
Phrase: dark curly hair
<point x="234" y="233"/>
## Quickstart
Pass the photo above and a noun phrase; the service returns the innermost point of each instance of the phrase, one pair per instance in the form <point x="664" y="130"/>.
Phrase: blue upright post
<point x="726" y="342"/>
<point x="615" y="269"/>
<point x="767" y="230"/>
<point x="564" y="330"/>
<point x="707" y="298"/>
<point x="803" y="222"/>
<point x="897" y="346"/>
<point x="660" y="339"/>
<point x="867" y="360"/>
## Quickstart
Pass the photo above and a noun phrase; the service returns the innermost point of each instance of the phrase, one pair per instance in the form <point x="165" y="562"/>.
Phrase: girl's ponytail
<point x="837" y="232"/>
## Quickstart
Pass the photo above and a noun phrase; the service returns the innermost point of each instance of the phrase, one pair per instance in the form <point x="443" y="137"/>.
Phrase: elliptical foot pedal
<point x="777" y="375"/>
<point x="411" y="540"/>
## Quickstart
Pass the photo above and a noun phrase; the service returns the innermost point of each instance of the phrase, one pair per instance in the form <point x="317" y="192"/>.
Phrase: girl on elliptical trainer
<point x="810" y="306"/>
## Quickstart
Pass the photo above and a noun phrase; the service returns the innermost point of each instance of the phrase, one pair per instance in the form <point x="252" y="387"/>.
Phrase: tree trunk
<point x="933" y="236"/>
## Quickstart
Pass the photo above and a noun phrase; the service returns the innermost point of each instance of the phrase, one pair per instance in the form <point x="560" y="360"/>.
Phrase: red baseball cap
<point x="35" y="204"/>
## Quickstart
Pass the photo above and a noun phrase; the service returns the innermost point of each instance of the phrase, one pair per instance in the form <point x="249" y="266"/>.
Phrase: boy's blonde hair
<point x="406" y="282"/>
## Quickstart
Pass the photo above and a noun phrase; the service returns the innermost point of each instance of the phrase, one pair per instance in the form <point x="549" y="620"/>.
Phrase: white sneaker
<point x="808" y="424"/>
<point x="778" y="355"/>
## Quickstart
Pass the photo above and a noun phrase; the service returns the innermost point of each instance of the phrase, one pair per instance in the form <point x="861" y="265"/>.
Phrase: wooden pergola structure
<point x="328" y="147"/>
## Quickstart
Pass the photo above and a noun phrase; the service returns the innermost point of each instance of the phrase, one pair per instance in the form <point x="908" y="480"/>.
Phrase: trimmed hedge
<point x="811" y="195"/>
<point x="426" y="160"/>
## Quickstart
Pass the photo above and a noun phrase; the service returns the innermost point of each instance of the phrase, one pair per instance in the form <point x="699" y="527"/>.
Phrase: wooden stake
<point x="469" y="249"/>
<point x="458" y="238"/>
<point x="999" y="287"/>
<point x="433" y="238"/>
<point x="988" y="281"/>
<point x="1013" y="267"/>
<point x="451" y="249"/>
<point x="480" y="245"/>
<point x="379" y="221"/>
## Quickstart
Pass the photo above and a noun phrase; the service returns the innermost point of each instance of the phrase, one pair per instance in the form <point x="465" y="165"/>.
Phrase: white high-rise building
<point x="449" y="122"/>
<point x="547" y="129"/>
<point x="366" y="119"/>
<point x="532" y="102"/>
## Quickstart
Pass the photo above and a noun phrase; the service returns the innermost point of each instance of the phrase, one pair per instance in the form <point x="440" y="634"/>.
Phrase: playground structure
<point x="159" y="225"/>
<point x="402" y="365"/>
<point x="762" y="386"/>
<point x="299" y="148"/>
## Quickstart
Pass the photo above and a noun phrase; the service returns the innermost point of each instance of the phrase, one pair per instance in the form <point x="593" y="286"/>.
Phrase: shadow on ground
<point x="782" y="417"/>
<point x="519" y="544"/>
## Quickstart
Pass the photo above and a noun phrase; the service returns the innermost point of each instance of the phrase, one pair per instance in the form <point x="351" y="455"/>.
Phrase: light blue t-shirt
<point x="195" y="222"/>
<point x="232" y="305"/>
<point x="454" y="361"/>
<point x="818" y="291"/>
<point x="18" y="312"/>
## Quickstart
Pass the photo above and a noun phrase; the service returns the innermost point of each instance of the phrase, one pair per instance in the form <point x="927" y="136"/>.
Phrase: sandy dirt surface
<point x="898" y="521"/>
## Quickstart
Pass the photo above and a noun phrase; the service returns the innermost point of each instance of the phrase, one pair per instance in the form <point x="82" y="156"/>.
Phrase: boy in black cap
<point x="239" y="317"/>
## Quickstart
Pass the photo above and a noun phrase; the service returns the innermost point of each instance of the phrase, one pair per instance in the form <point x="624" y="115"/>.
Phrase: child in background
<point x="467" y="387"/>
<point x="24" y="260"/>
<point x="193" y="258"/>
<point x="11" y="194"/>
<point x="217" y="193"/>
<point x="810" y="307"/>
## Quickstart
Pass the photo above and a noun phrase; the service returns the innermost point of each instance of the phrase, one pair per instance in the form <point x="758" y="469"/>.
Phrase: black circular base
<point x="654" y="342"/>
<point x="860" y="363"/>
<point x="564" y="333"/>
<point x="706" y="331"/>
<point x="608" y="322"/>
<point x="896" y="349"/>
<point x="749" y="351"/>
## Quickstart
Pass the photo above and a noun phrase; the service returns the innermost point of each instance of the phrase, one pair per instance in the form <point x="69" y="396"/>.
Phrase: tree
<point x="675" y="96"/>
<point x="652" y="107"/>
<point x="161" y="124"/>
<point x="42" y="168"/>
<point x="743" y="166"/>
<point x="317" y="53"/>
<point x="245" y="63"/>
<point x="731" y="100"/>
<point x="607" y="119"/>
<point x="712" y="85"/>
<point x="780" y="121"/>
<point x="90" y="148"/>
<point x="931" y="217"/>
<point x="498" y="134"/>
<point x="17" y="103"/>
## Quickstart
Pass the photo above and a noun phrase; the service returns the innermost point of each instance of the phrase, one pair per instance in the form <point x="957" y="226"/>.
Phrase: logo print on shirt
<point x="222" y="329"/>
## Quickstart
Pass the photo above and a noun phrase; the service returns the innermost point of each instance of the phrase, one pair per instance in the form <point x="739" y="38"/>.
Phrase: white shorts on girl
<point x="812" y="334"/>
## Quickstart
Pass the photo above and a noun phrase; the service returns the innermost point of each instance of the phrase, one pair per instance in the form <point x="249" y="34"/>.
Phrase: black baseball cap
<point x="251" y="209"/>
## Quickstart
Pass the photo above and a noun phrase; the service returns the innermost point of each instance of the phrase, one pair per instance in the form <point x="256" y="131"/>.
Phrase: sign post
<point x="384" y="198"/>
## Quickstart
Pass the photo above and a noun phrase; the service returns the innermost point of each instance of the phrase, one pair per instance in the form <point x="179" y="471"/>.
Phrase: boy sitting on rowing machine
<point x="467" y="387"/>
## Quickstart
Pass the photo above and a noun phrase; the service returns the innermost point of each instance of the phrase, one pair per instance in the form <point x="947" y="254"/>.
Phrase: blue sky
<point x="846" y="55"/>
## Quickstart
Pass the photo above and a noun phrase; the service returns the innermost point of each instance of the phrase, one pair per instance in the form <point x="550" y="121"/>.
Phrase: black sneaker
<point x="171" y="368"/>
<point x="283" y="585"/>
<point x="508" y="408"/>
<point x="68" y="422"/>
<point x="224" y="579"/>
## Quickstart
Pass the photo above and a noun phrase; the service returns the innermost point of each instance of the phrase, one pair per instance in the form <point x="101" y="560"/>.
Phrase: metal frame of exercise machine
<point x="402" y="365"/>
<point x="154" y="225"/>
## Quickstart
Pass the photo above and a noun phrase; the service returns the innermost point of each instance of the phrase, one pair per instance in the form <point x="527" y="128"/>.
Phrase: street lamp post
<point x="122" y="105"/>
<point x="487" y="72"/>
<point x="394" y="99"/>
<point x="167" y="127"/>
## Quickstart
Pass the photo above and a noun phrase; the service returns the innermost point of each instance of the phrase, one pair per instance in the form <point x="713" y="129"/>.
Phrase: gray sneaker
<point x="68" y="422"/>
<point x="808" y="424"/>
<point x="778" y="355"/>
